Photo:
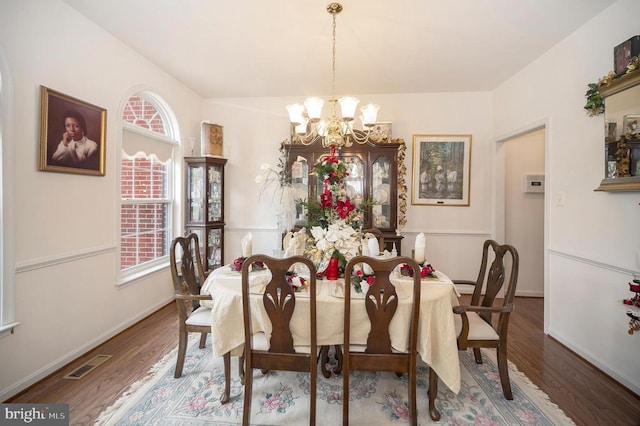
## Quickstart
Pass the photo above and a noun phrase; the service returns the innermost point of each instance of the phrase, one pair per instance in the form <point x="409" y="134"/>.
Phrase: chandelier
<point x="306" y="120"/>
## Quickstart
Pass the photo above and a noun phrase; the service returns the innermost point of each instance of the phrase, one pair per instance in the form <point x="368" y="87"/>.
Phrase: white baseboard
<point x="78" y="352"/>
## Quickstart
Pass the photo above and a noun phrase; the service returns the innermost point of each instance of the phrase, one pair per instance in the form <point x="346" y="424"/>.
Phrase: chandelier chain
<point x="333" y="65"/>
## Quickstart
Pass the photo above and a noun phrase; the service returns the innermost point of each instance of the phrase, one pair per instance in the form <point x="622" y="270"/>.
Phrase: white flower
<point x="337" y="237"/>
<point x="265" y="166"/>
<point x="318" y="233"/>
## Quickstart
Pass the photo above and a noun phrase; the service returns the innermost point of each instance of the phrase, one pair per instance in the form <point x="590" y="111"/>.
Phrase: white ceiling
<point x="239" y="48"/>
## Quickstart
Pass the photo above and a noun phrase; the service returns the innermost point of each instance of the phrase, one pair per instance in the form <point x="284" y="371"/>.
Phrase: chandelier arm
<point x="308" y="139"/>
<point x="364" y="137"/>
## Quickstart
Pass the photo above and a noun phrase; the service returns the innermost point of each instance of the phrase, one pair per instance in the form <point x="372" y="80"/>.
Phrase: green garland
<point x="595" y="103"/>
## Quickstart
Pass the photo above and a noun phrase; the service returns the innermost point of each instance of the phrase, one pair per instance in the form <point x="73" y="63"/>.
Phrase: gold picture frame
<point x="72" y="135"/>
<point x="441" y="170"/>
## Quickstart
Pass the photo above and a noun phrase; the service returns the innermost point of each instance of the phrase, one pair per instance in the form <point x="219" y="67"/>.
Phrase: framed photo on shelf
<point x="382" y="131"/>
<point x="211" y="140"/>
<point x="441" y="170"/>
<point x="631" y="125"/>
<point x="72" y="135"/>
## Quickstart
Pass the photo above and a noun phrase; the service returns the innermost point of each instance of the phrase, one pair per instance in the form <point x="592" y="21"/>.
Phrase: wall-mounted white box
<point x="533" y="183"/>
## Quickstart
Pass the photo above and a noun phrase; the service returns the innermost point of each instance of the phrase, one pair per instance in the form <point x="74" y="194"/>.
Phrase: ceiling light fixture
<point x="306" y="121"/>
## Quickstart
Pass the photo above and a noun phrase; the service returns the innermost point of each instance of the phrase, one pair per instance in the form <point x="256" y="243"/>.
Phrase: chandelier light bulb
<point x="348" y="106"/>
<point x="323" y="128"/>
<point x="295" y="113"/>
<point x="314" y="108"/>
<point x="369" y="114"/>
<point x="301" y="128"/>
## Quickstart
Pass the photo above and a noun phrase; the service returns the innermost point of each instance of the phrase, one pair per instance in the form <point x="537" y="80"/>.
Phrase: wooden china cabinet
<point x="373" y="174"/>
<point x="204" y="205"/>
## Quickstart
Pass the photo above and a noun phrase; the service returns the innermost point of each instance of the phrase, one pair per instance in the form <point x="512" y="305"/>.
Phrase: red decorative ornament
<point x="331" y="273"/>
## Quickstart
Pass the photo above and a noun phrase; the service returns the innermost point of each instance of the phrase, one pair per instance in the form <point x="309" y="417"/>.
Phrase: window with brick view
<point x="146" y="196"/>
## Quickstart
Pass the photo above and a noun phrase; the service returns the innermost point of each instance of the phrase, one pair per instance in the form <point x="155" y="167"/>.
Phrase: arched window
<point x="146" y="183"/>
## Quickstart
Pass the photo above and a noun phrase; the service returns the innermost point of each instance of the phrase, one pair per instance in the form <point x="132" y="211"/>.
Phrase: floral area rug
<point x="282" y="398"/>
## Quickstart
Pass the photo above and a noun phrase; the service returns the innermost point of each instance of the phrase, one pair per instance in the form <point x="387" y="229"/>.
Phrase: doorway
<point x="524" y="207"/>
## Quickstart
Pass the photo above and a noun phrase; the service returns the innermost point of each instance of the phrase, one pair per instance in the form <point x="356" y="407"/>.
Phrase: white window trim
<point x="7" y="242"/>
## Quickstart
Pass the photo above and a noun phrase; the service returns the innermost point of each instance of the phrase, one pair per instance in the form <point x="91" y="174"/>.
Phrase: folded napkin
<point x="418" y="252"/>
<point x="246" y="245"/>
<point x="366" y="269"/>
<point x="374" y="246"/>
<point x="293" y="246"/>
<point x="286" y="241"/>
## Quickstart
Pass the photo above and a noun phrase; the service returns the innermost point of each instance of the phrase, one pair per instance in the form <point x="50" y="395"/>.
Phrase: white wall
<point x="524" y="211"/>
<point x="254" y="128"/>
<point x="594" y="237"/>
<point x="64" y="232"/>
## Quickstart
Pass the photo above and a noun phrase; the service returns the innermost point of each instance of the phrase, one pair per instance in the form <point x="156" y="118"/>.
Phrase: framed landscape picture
<point x="441" y="170"/>
<point x="72" y="135"/>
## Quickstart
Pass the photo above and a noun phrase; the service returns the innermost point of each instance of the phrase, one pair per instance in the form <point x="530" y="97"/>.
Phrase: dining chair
<point x="381" y="303"/>
<point x="277" y="351"/>
<point x="477" y="328"/>
<point x="188" y="276"/>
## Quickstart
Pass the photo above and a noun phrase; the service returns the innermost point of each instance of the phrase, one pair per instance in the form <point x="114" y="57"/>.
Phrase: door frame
<point x="498" y="194"/>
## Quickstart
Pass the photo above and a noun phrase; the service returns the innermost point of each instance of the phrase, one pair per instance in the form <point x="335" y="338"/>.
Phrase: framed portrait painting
<point x="441" y="170"/>
<point x="72" y="135"/>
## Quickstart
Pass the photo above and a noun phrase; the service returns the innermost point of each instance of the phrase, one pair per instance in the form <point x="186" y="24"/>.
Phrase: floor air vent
<point x="87" y="367"/>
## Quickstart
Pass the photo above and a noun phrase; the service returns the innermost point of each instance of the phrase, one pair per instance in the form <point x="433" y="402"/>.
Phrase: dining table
<point x="437" y="345"/>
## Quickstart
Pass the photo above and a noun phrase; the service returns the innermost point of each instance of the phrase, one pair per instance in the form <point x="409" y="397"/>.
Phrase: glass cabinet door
<point x="381" y="193"/>
<point x="354" y="183"/>
<point x="214" y="248"/>
<point x="214" y="179"/>
<point x="195" y="185"/>
<point x="300" y="188"/>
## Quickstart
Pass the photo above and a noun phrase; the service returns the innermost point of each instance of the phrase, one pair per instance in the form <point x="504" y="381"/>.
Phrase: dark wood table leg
<point x="227" y="378"/>
<point x="433" y="392"/>
<point x="338" y="368"/>
<point x="241" y="368"/>
<point x="324" y="359"/>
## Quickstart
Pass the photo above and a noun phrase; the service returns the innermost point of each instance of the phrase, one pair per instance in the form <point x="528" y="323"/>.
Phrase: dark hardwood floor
<point x="584" y="393"/>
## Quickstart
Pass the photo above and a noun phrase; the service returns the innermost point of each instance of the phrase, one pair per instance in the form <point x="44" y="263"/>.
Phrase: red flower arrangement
<point x="359" y="277"/>
<point x="334" y="203"/>
<point x="296" y="282"/>
<point x="426" y="270"/>
<point x="634" y="287"/>
<point x="237" y="263"/>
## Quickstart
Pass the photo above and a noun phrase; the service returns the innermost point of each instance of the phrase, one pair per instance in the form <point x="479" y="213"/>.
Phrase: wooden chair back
<point x="493" y="277"/>
<point x="187" y="271"/>
<point x="188" y="276"/>
<point x="279" y="301"/>
<point x="381" y="302"/>
<point x="498" y="268"/>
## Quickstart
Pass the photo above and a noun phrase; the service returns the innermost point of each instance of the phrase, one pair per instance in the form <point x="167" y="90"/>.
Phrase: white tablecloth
<point x="436" y="334"/>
